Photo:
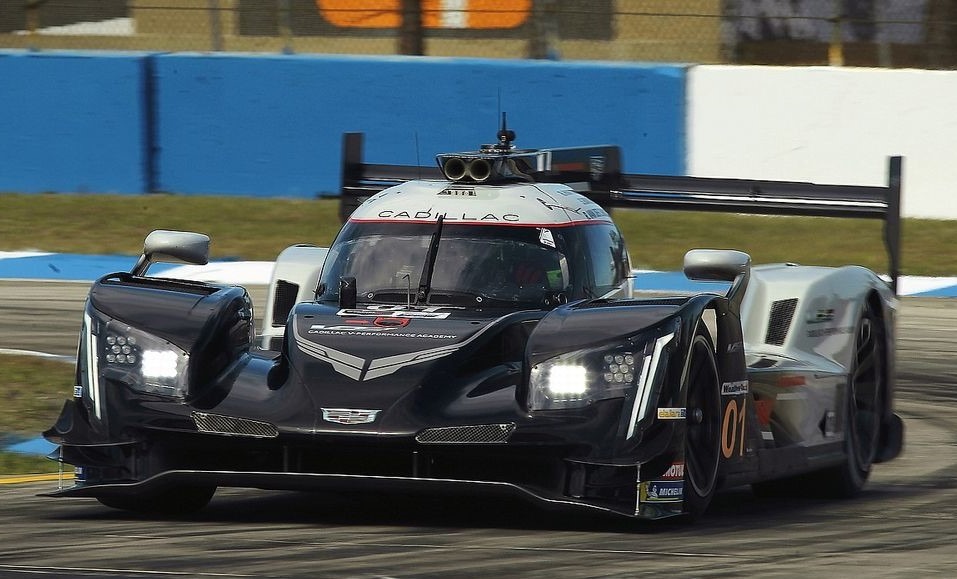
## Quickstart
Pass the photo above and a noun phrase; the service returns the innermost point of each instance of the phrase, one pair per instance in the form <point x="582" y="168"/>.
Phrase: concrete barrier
<point x="72" y="121"/>
<point x="272" y="125"/>
<point x="828" y="124"/>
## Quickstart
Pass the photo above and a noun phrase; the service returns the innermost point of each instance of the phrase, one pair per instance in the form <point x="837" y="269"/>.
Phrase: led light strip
<point x="648" y="372"/>
<point x="92" y="370"/>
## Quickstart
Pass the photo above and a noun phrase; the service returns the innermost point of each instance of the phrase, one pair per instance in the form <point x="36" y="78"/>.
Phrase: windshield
<point x="474" y="265"/>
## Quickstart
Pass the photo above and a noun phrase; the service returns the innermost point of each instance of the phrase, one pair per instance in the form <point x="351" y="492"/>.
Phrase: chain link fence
<point x="886" y="33"/>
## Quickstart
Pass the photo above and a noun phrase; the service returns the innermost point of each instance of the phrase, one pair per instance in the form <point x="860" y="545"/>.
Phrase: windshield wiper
<point x="426" y="280"/>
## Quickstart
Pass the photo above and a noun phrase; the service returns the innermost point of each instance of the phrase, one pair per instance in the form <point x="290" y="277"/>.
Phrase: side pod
<point x="295" y="277"/>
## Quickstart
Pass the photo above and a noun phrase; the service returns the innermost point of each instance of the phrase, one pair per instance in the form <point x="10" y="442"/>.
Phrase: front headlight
<point x="142" y="361"/>
<point x="580" y="378"/>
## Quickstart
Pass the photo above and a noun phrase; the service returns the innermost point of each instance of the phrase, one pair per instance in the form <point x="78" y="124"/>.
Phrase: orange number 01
<point x="732" y="428"/>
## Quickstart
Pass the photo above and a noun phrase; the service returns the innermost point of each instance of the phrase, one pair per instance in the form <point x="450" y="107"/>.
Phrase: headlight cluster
<point x="142" y="361"/>
<point x="577" y="379"/>
<point x="582" y="377"/>
<point x="619" y="368"/>
<point x="120" y="349"/>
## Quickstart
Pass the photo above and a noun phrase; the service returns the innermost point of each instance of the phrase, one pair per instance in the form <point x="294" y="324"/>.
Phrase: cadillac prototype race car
<point x="475" y="328"/>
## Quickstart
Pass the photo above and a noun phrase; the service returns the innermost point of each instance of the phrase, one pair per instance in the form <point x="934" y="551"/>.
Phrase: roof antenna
<point x="505" y="136"/>
<point x="418" y="164"/>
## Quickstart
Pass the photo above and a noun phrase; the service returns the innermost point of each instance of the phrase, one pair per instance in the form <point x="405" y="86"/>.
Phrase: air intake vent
<point x="232" y="426"/>
<point x="478" y="434"/>
<point x="782" y="312"/>
<point x="283" y="301"/>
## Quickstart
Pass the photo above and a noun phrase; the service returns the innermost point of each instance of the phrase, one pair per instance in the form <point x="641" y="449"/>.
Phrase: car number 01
<point x="732" y="428"/>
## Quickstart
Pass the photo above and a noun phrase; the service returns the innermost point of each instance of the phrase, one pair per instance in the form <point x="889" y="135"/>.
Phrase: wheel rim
<point x="866" y="385"/>
<point x="701" y="453"/>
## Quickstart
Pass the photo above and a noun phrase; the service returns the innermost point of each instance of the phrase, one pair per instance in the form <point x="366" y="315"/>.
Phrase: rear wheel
<point x="863" y="408"/>
<point x="172" y="501"/>
<point x="702" y="441"/>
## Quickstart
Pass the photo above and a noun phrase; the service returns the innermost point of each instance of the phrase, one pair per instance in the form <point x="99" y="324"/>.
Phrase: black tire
<point x="703" y="423"/>
<point x="170" y="502"/>
<point x="863" y="408"/>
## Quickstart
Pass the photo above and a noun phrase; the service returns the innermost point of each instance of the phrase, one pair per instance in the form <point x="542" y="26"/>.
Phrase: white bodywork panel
<point x="800" y="326"/>
<point x="299" y="265"/>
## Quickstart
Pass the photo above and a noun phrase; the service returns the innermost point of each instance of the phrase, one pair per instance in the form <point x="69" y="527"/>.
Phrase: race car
<point x="474" y="328"/>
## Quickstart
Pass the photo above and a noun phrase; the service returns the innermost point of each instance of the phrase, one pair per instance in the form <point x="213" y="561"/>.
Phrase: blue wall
<point x="273" y="124"/>
<point x="71" y="122"/>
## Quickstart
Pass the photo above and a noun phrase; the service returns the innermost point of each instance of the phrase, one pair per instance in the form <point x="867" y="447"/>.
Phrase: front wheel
<point x="169" y="502"/>
<point x="703" y="437"/>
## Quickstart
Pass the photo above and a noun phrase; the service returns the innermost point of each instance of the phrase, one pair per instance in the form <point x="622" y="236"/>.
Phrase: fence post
<point x="835" y="50"/>
<point x="285" y="26"/>
<point x="543" y="42"/>
<point x="411" y="39"/>
<point x="215" y="27"/>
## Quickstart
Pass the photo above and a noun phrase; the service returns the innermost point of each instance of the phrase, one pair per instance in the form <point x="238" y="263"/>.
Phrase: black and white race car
<point x="474" y="328"/>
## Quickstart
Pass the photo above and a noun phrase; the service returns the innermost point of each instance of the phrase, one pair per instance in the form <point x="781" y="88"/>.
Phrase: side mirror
<point x="716" y="264"/>
<point x="172" y="246"/>
<point x="721" y="265"/>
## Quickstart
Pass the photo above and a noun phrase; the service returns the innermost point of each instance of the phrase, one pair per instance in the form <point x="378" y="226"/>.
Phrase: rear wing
<point x="596" y="173"/>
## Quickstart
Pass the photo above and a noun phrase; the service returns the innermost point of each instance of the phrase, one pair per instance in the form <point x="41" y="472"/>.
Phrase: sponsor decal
<point x="458" y="192"/>
<point x="430" y="312"/>
<point x="672" y="413"/>
<point x="595" y="213"/>
<point x="735" y="347"/>
<point x="661" y="491"/>
<point x="362" y="369"/>
<point x="675" y="472"/>
<point x="734" y="388"/>
<point x="379" y="321"/>
<point x="373" y="330"/>
<point x="358" y="329"/>
<point x="821" y="315"/>
<point x="835" y="331"/>
<point x="733" y="433"/>
<point x="428" y="215"/>
<point x="545" y="237"/>
<point x="349" y="416"/>
<point x="762" y="409"/>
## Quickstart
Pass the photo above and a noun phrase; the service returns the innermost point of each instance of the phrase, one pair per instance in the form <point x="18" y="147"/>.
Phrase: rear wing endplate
<point x="596" y="173"/>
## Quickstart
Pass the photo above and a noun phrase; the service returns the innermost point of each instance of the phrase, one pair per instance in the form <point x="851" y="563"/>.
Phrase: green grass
<point x="14" y="463"/>
<point x="258" y="229"/>
<point x="247" y="228"/>
<point x="32" y="391"/>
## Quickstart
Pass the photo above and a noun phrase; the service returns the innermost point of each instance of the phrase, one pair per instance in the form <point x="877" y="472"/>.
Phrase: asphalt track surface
<point x="903" y="525"/>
